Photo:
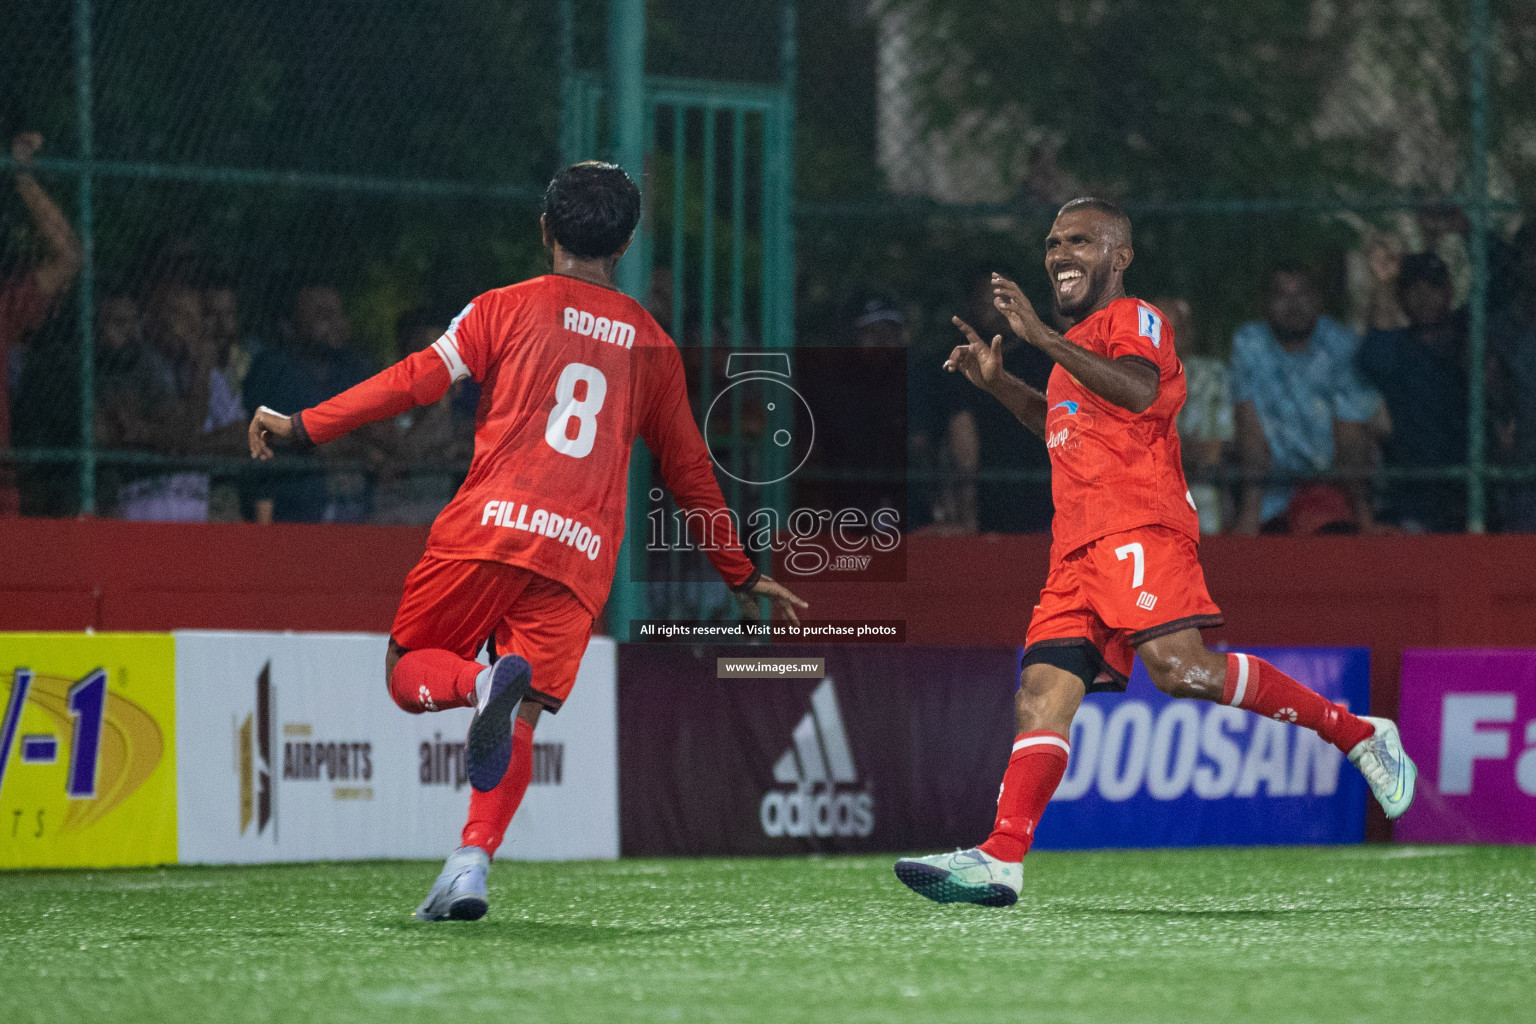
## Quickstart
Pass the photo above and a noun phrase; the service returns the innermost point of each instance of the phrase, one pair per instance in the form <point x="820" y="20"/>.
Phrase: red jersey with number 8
<point x="570" y="374"/>
<point x="1113" y="469"/>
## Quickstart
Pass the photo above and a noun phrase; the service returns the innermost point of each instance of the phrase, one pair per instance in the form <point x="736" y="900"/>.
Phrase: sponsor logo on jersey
<point x="1149" y="325"/>
<point x="1065" y="424"/>
<point x="819" y="767"/>
<point x="600" y="328"/>
<point x="509" y="515"/>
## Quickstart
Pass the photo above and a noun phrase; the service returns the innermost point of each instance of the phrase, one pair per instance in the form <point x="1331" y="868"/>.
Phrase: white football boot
<point x="1390" y="771"/>
<point x="459" y="894"/>
<point x="964" y="876"/>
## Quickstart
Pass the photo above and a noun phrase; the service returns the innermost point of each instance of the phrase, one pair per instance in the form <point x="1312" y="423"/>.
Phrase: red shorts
<point x="460" y="605"/>
<point x="1116" y="593"/>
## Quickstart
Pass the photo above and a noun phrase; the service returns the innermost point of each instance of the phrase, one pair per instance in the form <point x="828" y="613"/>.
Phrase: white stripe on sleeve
<point x="448" y="350"/>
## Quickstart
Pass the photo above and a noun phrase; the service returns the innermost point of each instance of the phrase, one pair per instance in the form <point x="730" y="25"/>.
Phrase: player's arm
<point x="669" y="431"/>
<point x="982" y="365"/>
<point x="1129" y="381"/>
<point x="419" y="379"/>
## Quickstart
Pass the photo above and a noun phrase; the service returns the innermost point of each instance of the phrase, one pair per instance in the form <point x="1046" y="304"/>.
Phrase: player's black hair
<point x="592" y="208"/>
<point x="1105" y="206"/>
<point x="1425" y="268"/>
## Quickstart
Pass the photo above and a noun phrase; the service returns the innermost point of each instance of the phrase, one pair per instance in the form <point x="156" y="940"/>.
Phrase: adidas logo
<point x="818" y="764"/>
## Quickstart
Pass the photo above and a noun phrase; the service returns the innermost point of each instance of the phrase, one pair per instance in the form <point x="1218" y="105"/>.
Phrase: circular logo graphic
<point x="789" y="428"/>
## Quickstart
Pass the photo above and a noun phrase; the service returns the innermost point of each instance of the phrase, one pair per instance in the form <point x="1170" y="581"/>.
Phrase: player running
<point x="522" y="559"/>
<point x="1124" y="577"/>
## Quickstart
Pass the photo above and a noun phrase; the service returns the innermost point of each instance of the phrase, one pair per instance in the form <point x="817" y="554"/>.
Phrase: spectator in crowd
<point x="232" y="358"/>
<point x="28" y="294"/>
<point x="426" y="444"/>
<point x="1205" y="422"/>
<point x="982" y="436"/>
<point x="315" y="364"/>
<point x="1512" y="341"/>
<point x="1420" y="370"/>
<point x="119" y="345"/>
<point x="1300" y="409"/>
<point x="221" y="311"/>
<point x="166" y="396"/>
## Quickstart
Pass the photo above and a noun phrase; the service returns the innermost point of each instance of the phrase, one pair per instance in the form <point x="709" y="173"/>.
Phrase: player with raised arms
<point x="1124" y="577"/>
<point x="521" y="560"/>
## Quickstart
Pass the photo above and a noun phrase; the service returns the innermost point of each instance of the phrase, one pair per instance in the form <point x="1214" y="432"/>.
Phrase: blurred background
<point x="208" y="206"/>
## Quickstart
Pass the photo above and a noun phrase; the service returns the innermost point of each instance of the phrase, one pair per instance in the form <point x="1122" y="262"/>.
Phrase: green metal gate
<point x="717" y="230"/>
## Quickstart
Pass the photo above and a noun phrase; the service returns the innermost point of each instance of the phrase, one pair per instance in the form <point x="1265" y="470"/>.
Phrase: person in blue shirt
<point x="1300" y="409"/>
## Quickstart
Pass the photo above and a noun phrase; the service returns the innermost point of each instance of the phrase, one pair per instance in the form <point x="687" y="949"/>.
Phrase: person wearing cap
<point x="1421" y="372"/>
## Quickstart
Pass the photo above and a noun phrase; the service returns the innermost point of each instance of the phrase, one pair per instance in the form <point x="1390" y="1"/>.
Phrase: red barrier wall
<point x="103" y="574"/>
<point x="1385" y="593"/>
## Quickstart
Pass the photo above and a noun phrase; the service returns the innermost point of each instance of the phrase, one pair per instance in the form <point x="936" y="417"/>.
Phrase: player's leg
<point x="448" y="609"/>
<point x="461" y="892"/>
<point x="550" y="628"/>
<point x="547" y="629"/>
<point x="1061" y="664"/>
<point x="1181" y="666"/>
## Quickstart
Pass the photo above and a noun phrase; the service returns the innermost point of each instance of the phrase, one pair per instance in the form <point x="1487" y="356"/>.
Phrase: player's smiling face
<point x="1083" y="255"/>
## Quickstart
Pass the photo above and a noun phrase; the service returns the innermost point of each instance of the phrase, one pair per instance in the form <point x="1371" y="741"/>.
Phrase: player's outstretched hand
<point x="267" y="424"/>
<point x="778" y="595"/>
<point x="1009" y="299"/>
<point x="981" y="363"/>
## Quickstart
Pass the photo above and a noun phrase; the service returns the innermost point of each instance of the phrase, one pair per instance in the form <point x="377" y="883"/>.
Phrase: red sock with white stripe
<point x="491" y="813"/>
<point x="433" y="680"/>
<point x="1034" y="771"/>
<point x="1258" y="686"/>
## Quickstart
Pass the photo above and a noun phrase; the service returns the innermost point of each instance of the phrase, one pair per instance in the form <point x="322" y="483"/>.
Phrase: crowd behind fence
<point x="214" y="206"/>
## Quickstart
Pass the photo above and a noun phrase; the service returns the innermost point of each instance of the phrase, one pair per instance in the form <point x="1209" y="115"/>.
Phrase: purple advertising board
<point x="902" y="747"/>
<point x="1468" y="719"/>
<point x="892" y="748"/>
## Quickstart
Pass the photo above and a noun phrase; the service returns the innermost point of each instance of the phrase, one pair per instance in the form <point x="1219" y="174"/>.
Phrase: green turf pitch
<point x="1379" y="934"/>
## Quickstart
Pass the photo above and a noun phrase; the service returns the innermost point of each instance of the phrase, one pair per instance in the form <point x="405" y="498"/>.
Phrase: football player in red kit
<point x="571" y="371"/>
<point x="1124" y="577"/>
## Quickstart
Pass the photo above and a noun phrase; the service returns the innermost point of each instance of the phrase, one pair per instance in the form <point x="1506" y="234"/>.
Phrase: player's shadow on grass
<point x="553" y="934"/>
<point x="1256" y="912"/>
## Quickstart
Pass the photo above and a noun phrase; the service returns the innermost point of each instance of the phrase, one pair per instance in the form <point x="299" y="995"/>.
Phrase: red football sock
<point x="1034" y="771"/>
<point x="1258" y="686"/>
<point x="491" y="813"/>
<point x="433" y="680"/>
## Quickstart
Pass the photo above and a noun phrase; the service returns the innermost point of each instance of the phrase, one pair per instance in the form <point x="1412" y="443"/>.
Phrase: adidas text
<point x="819" y="767"/>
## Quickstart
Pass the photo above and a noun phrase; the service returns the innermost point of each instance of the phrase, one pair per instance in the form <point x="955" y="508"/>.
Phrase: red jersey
<point x="570" y="373"/>
<point x="1113" y="469"/>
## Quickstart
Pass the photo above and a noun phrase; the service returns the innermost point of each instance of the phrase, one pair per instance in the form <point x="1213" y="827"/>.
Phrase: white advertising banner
<point x="290" y="749"/>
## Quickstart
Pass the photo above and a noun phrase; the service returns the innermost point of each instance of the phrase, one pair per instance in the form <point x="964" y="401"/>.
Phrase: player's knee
<point x="1166" y="674"/>
<point x="1180" y="673"/>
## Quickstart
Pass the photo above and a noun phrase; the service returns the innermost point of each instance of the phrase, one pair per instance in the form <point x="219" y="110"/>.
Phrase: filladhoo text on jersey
<point x="509" y="515"/>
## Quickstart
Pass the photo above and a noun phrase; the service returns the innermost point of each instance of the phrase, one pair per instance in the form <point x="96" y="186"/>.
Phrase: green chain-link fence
<point x="393" y="154"/>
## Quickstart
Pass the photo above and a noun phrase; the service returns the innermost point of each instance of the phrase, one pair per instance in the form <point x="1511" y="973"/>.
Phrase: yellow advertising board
<point x="87" y="750"/>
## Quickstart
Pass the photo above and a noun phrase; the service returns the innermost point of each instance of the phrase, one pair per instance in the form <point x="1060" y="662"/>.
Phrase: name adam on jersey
<point x="615" y="332"/>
